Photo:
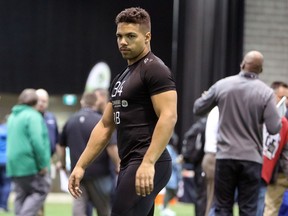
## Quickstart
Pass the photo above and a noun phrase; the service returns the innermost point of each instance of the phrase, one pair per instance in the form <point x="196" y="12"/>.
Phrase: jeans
<point x="5" y="187"/>
<point x="284" y="206"/>
<point x="261" y="199"/>
<point x="243" y="175"/>
<point x="212" y="211"/>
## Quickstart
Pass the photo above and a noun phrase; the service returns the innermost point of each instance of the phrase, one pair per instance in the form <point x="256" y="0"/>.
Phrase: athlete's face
<point x="133" y="41"/>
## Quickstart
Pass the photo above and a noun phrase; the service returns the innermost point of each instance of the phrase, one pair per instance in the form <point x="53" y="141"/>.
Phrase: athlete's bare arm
<point x="165" y="106"/>
<point x="98" y="140"/>
<point x="112" y="151"/>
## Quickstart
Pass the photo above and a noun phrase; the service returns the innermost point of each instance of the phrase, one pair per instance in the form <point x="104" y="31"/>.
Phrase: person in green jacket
<point x="28" y="155"/>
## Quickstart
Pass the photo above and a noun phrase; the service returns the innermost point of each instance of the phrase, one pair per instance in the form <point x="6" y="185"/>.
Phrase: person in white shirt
<point x="209" y="160"/>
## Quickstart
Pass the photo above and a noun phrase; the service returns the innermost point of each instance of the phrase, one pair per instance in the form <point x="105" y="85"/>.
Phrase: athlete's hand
<point x="74" y="182"/>
<point x="144" y="181"/>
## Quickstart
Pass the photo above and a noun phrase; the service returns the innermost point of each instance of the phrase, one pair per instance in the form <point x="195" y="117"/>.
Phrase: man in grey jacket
<point x="245" y="103"/>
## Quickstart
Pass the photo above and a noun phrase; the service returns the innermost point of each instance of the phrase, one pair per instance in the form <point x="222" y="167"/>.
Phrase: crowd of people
<point x="120" y="140"/>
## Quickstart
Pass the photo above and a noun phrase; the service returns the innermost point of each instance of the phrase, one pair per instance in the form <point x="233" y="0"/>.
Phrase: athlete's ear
<point x="147" y="37"/>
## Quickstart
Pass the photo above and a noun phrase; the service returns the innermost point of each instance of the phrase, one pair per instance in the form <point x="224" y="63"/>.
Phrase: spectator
<point x="193" y="153"/>
<point x="97" y="183"/>
<point x="275" y="163"/>
<point x="102" y="96"/>
<point x="209" y="160"/>
<point x="28" y="154"/>
<point x="5" y="181"/>
<point x="49" y="117"/>
<point x="244" y="103"/>
<point x="173" y="183"/>
<point x="51" y="123"/>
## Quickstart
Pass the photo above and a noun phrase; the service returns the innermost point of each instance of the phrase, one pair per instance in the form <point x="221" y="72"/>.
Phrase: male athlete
<point x="143" y="108"/>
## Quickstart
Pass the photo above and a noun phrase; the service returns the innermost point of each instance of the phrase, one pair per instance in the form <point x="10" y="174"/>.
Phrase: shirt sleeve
<point x="206" y="102"/>
<point x="271" y="116"/>
<point x="211" y="131"/>
<point x="158" y="78"/>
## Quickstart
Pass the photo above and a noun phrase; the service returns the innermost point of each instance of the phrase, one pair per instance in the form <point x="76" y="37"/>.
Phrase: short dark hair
<point x="88" y="99"/>
<point x="28" y="97"/>
<point x="134" y="15"/>
<point x="277" y="84"/>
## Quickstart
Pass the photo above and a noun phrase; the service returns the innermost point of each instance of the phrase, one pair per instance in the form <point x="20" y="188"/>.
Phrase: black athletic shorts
<point x="126" y="202"/>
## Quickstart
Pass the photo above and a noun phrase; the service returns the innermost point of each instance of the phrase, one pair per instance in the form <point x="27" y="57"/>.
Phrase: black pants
<point x="201" y="191"/>
<point x="126" y="202"/>
<point x="243" y="175"/>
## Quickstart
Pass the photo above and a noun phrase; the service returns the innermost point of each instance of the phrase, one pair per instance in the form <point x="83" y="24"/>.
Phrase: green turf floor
<point x="65" y="209"/>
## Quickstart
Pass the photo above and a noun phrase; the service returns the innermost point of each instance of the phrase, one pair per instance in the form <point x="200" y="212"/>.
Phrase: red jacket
<point x="272" y="149"/>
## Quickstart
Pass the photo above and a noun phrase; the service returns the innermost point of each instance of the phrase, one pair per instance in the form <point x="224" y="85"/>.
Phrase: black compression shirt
<point x="75" y="135"/>
<point x="134" y="115"/>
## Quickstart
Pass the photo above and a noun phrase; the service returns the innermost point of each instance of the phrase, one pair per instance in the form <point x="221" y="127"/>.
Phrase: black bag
<point x="193" y="142"/>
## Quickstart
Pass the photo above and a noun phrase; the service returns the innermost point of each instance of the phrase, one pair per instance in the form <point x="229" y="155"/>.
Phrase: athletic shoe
<point x="167" y="212"/>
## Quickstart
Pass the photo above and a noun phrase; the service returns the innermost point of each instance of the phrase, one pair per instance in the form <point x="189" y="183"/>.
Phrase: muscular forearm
<point x="161" y="136"/>
<point x="98" y="140"/>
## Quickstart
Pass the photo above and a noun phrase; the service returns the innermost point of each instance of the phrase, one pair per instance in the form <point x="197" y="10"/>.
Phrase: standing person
<point x="102" y="96"/>
<point x="28" y="155"/>
<point x="209" y="159"/>
<point x="193" y="153"/>
<point x="171" y="188"/>
<point x="244" y="103"/>
<point x="51" y="123"/>
<point x="275" y="162"/>
<point x="102" y="99"/>
<point x="97" y="183"/>
<point x="49" y="117"/>
<point x="5" y="181"/>
<point x="143" y="108"/>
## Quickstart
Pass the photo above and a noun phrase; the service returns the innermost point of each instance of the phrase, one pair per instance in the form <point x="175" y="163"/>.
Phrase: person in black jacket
<point x="97" y="183"/>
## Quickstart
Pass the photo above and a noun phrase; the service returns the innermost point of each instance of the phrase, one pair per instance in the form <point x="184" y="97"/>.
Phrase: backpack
<point x="193" y="142"/>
